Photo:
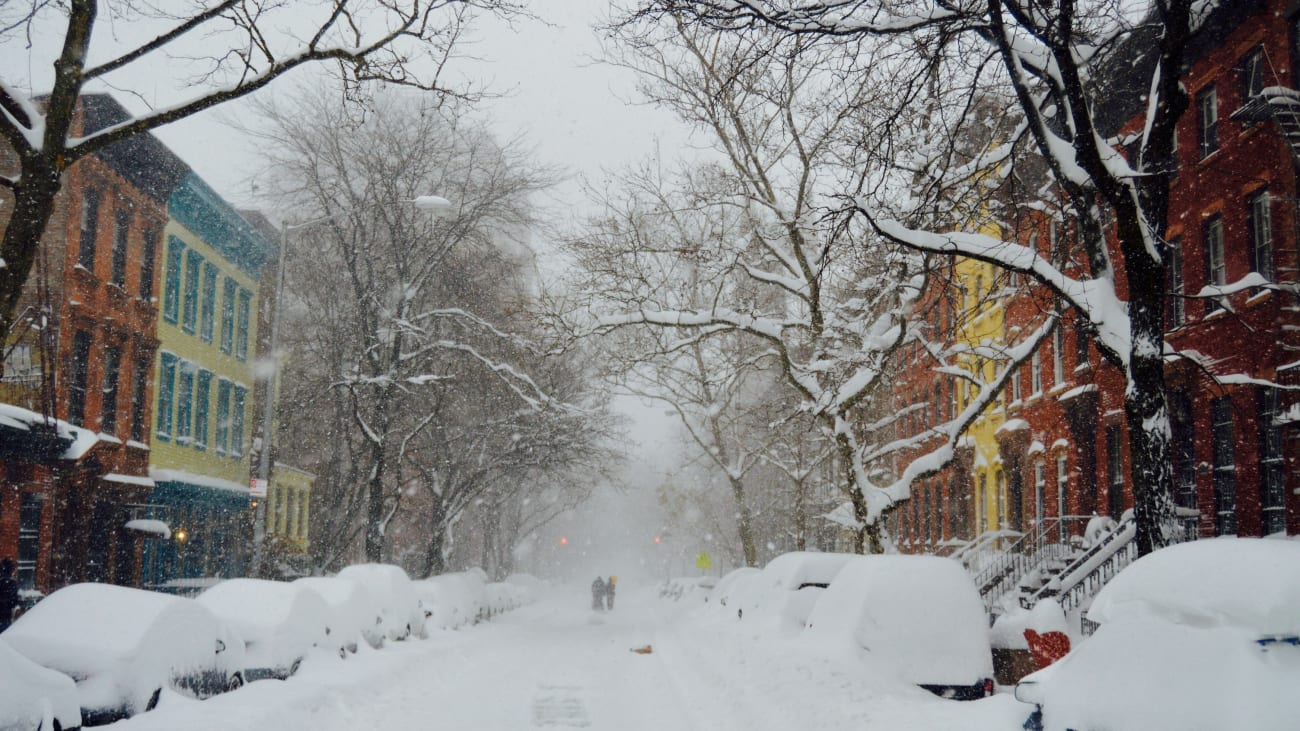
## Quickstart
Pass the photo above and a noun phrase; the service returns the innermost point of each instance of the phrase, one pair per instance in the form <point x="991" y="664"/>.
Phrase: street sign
<point x="704" y="561"/>
<point x="257" y="488"/>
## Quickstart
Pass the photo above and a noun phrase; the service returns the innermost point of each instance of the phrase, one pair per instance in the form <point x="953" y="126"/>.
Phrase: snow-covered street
<point x="556" y="664"/>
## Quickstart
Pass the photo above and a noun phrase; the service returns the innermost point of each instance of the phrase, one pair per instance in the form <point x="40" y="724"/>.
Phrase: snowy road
<point x="558" y="665"/>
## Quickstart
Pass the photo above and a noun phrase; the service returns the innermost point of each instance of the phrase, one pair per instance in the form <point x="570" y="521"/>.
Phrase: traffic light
<point x="656" y="539"/>
<point x="564" y="540"/>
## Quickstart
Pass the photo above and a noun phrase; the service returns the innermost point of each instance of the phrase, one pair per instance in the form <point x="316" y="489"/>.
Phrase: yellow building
<point x="983" y="325"/>
<point x="212" y="263"/>
<point x="288" y="503"/>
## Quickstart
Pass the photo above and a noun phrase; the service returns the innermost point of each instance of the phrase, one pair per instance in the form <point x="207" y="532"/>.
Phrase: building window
<point x="237" y="421"/>
<point x="1252" y="73"/>
<point x="1081" y="342"/>
<point x="241" y="333"/>
<point x="1261" y="235"/>
<point x="1207" y="106"/>
<point x="139" y="392"/>
<point x="223" y="416"/>
<point x="77" y="375"/>
<point x="190" y="314"/>
<point x="1015" y="384"/>
<point x="1175" y="306"/>
<point x="1216" y="268"/>
<point x="208" y="309"/>
<point x="1036" y="374"/>
<point x="121" y="234"/>
<point x="185" y="403"/>
<point x="166" y="395"/>
<point x="172" y="284"/>
<point x="30" y="510"/>
<point x="1000" y="499"/>
<point x="89" y="229"/>
<point x="1058" y="355"/>
<point x="228" y="290"/>
<point x="1040" y="489"/>
<point x="1182" y="448"/>
<point x="202" y="396"/>
<point x="1224" y="466"/>
<point x="1115" y="470"/>
<point x="1062" y="486"/>
<point x="1271" y="475"/>
<point x="108" y="412"/>
<point x="148" y="251"/>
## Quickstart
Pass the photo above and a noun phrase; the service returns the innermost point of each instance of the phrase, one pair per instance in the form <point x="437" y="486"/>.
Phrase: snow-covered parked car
<point x="391" y="593"/>
<point x="502" y="597"/>
<point x="353" y="619"/>
<point x="789" y="586"/>
<point x="1201" y="635"/>
<point x="279" y="622"/>
<point x="33" y="697"/>
<point x="451" y="601"/>
<point x="123" y="646"/>
<point x="731" y="585"/>
<point x="919" y="618"/>
<point x="530" y="587"/>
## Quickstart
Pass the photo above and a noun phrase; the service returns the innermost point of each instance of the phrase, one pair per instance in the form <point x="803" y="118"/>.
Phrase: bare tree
<point x="381" y="294"/>
<point x="830" y="301"/>
<point x="1074" y="72"/>
<point x="241" y="45"/>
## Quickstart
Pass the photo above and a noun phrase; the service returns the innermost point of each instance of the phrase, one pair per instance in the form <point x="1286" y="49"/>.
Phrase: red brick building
<point x="83" y="353"/>
<point x="1233" y="212"/>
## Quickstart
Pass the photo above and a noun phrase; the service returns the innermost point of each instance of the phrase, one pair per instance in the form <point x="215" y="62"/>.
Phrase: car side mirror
<point x="1027" y="691"/>
<point x="221" y="646"/>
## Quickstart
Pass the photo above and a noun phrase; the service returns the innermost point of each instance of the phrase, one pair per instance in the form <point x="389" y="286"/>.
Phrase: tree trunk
<point x="435" y="562"/>
<point x="744" y="522"/>
<point x="1145" y="408"/>
<point x="375" y="504"/>
<point x="34" y="198"/>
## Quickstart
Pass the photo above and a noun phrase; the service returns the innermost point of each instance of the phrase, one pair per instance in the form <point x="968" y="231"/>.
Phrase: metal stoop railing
<point x="1047" y="539"/>
<point x="1090" y="571"/>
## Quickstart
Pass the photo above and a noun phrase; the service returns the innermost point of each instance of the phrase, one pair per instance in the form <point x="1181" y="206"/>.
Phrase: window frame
<point x="185" y="403"/>
<point x="208" y="305"/>
<point x="190" y="297"/>
<point x="1223" y="465"/>
<point x="223" y="416"/>
<point x="79" y="376"/>
<point x="1216" y="259"/>
<point x="1176" y="286"/>
<point x="1259" y="225"/>
<point x="238" y="405"/>
<point x="172" y="272"/>
<point x="165" y="423"/>
<point x="109" y="390"/>
<point x="202" y="404"/>
<point x="229" y="292"/>
<point x="1207" y="120"/>
<point x="139" y="393"/>
<point x="90" y="203"/>
<point x="121" y="242"/>
<point x="242" y="319"/>
<point x="1272" y="467"/>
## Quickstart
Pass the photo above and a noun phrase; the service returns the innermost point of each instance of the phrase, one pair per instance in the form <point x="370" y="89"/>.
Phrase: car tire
<point x="235" y="682"/>
<point x="152" y="703"/>
<point x="343" y="653"/>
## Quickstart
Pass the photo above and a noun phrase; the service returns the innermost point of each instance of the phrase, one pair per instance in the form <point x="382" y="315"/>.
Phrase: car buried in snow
<point x="33" y="697"/>
<point x="123" y="646"/>
<point x="279" y="622"/>
<point x="919" y="618"/>
<point x="391" y="596"/>
<point x="353" y="619"/>
<point x="1201" y="635"/>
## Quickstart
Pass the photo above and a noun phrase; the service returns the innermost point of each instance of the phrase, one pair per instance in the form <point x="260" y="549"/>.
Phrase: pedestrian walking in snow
<point x="8" y="593"/>
<point x="609" y="593"/>
<point x="598" y="594"/>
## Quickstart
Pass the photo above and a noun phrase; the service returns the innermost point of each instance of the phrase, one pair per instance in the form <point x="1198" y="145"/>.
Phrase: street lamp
<point x="437" y="206"/>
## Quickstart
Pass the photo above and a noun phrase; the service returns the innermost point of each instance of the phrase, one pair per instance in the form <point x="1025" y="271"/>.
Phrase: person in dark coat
<point x="609" y="592"/>
<point x="598" y="593"/>
<point x="8" y="593"/>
